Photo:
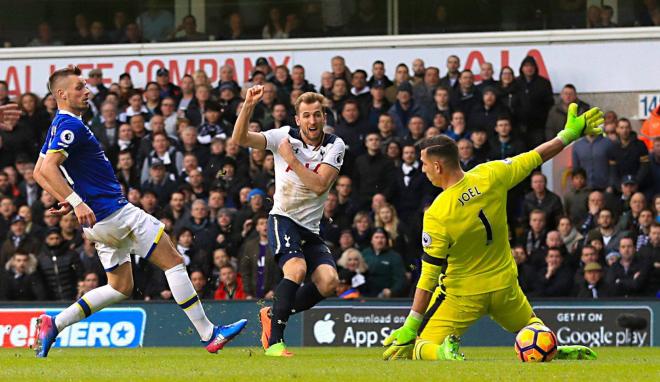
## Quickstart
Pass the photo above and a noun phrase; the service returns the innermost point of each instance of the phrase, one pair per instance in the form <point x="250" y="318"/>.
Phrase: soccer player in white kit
<point x="307" y="162"/>
<point x="90" y="188"/>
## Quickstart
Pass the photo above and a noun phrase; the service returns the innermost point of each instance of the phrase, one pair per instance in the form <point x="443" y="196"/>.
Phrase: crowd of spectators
<point x="174" y="156"/>
<point x="151" y="21"/>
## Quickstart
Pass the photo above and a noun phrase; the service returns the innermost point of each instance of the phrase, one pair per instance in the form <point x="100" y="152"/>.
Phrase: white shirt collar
<point x="69" y="114"/>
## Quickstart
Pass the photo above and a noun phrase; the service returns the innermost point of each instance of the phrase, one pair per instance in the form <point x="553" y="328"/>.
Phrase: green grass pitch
<point x="317" y="364"/>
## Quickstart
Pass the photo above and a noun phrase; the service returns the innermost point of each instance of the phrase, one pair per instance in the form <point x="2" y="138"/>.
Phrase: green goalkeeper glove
<point x="401" y="342"/>
<point x="578" y="126"/>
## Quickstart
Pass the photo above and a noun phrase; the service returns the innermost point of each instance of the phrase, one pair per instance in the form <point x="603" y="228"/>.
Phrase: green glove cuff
<point x="413" y="321"/>
<point x="567" y="137"/>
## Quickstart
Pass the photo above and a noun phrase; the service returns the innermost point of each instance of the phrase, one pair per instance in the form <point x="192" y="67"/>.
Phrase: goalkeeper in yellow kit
<point x="467" y="267"/>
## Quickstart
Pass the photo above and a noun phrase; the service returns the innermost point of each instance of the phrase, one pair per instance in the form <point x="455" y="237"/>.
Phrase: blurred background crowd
<point x="49" y="23"/>
<point x="172" y="149"/>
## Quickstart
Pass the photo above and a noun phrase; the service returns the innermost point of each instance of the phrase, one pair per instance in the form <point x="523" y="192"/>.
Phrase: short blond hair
<point x="343" y="260"/>
<point x="309" y="98"/>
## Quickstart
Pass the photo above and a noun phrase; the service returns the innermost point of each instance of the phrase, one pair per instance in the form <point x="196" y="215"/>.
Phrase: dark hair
<point x="537" y="211"/>
<point x="298" y="66"/>
<point x="151" y="83"/>
<point x="443" y="147"/>
<point x="361" y="71"/>
<point x="157" y="133"/>
<point x="555" y="249"/>
<point x="562" y="216"/>
<point x="278" y="103"/>
<point x="535" y="173"/>
<point x="377" y="62"/>
<point x="627" y="237"/>
<point x="258" y="122"/>
<point x="589" y="246"/>
<point x="90" y="273"/>
<point x="441" y="87"/>
<point x="62" y="73"/>
<point x="125" y="151"/>
<point x="402" y="64"/>
<point x="579" y="171"/>
<point x="198" y="269"/>
<point x="505" y="68"/>
<point x="354" y="102"/>
<point x="626" y="120"/>
<point x="503" y="117"/>
<point x="182" y="231"/>
<point x="228" y="266"/>
<point x="570" y="86"/>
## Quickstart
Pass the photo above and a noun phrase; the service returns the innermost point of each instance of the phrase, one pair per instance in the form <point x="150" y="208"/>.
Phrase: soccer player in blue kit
<point x="74" y="169"/>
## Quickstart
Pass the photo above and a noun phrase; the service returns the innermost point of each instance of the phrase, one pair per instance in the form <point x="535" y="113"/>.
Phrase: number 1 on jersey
<point x="489" y="229"/>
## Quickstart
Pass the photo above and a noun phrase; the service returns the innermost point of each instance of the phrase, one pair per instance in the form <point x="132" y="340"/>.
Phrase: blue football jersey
<point x="86" y="167"/>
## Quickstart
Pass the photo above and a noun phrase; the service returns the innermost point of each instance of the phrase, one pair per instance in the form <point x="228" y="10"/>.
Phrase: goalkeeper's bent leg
<point x="425" y="350"/>
<point x="431" y="351"/>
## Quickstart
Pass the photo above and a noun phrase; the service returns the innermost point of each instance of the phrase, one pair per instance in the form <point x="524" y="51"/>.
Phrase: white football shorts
<point x="128" y="230"/>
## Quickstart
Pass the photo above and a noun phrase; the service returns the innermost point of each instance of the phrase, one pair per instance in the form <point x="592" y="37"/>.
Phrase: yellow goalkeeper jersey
<point x="465" y="235"/>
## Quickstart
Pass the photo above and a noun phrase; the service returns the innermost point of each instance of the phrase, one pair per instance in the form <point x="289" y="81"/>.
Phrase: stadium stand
<point x="172" y="148"/>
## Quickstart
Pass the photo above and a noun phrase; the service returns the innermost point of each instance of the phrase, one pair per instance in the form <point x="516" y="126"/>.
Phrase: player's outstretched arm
<point x="576" y="127"/>
<point x="241" y="134"/>
<point x="47" y="173"/>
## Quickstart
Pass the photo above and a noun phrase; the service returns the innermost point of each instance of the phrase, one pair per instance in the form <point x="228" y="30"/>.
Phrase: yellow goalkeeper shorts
<point x="450" y="314"/>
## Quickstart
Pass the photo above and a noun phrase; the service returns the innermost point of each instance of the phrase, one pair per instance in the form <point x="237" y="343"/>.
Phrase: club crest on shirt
<point x="507" y="161"/>
<point x="339" y="159"/>
<point x="426" y="240"/>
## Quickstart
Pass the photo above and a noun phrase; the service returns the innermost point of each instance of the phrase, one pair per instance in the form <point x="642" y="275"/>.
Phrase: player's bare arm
<point x="319" y="181"/>
<point x="47" y="173"/>
<point x="421" y="300"/>
<point x="241" y="134"/>
<point x="576" y="127"/>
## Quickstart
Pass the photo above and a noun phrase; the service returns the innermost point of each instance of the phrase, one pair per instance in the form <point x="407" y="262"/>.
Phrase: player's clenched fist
<point x="254" y="94"/>
<point x="286" y="151"/>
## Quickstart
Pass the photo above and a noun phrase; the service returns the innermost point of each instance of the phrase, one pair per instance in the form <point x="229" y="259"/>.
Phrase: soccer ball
<point x="536" y="343"/>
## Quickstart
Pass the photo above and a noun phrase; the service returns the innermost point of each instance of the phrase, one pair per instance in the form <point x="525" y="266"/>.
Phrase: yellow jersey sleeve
<point x="511" y="171"/>
<point x="435" y="243"/>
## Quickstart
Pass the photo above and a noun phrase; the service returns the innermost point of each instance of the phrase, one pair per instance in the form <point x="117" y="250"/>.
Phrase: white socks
<point x="185" y="295"/>
<point x="180" y="285"/>
<point x="91" y="302"/>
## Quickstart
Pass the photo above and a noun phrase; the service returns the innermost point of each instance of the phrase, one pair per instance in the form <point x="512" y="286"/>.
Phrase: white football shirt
<point x="292" y="198"/>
